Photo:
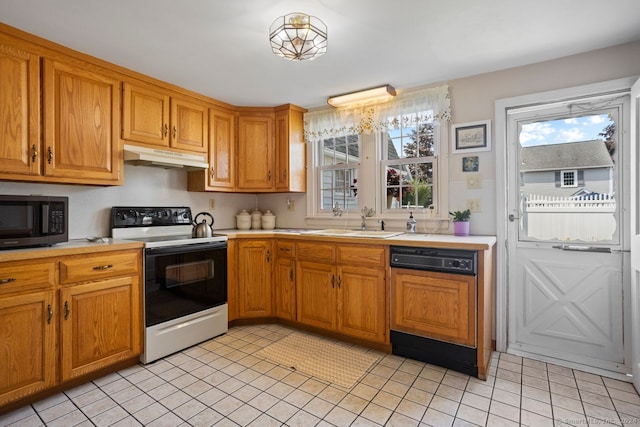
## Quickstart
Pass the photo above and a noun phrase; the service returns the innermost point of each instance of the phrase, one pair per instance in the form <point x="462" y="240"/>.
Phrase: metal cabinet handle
<point x="9" y="280"/>
<point x="269" y="175"/>
<point x="268" y="255"/>
<point x="34" y="153"/>
<point x="583" y="248"/>
<point x="284" y="173"/>
<point x="212" y="173"/>
<point x="67" y="310"/>
<point x="49" y="314"/>
<point x="49" y="155"/>
<point x="333" y="281"/>
<point x="291" y="274"/>
<point x="166" y="129"/>
<point x="175" y="131"/>
<point x="103" y="267"/>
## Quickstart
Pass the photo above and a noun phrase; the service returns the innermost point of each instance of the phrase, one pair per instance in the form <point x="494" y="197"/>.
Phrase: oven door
<point x="186" y="279"/>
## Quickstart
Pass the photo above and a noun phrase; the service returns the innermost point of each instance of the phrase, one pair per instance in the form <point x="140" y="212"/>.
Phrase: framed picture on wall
<point x="471" y="137"/>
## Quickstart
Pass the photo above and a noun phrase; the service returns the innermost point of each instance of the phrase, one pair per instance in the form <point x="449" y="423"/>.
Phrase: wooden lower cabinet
<point x="28" y="341"/>
<point x="284" y="278"/>
<point x="254" y="278"/>
<point x="361" y="291"/>
<point x="100" y="325"/>
<point x="316" y="294"/>
<point x="434" y="305"/>
<point x="52" y="332"/>
<point x="348" y="295"/>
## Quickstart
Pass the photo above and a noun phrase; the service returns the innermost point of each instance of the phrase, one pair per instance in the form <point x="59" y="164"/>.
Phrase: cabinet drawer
<point x="95" y="267"/>
<point x="319" y="252"/>
<point x="22" y="276"/>
<point x="285" y="249"/>
<point x="372" y="256"/>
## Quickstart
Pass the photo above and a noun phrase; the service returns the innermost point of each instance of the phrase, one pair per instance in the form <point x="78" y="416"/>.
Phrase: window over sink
<point x="382" y="155"/>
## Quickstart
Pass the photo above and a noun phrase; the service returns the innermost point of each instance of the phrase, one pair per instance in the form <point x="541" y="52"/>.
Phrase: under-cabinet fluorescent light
<point x="367" y="96"/>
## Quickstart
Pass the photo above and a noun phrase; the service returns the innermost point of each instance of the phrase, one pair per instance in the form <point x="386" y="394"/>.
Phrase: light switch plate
<point x="212" y="204"/>
<point x="474" y="205"/>
<point x="474" y="181"/>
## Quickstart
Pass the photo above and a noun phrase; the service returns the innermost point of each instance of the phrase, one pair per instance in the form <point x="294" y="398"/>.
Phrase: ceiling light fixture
<point x="298" y="37"/>
<point x="367" y="96"/>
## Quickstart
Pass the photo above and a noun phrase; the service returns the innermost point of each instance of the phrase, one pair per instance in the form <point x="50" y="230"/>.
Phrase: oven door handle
<point x="185" y="248"/>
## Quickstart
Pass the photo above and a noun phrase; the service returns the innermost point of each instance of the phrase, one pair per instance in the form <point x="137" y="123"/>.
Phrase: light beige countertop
<point x="72" y="247"/>
<point x="407" y="239"/>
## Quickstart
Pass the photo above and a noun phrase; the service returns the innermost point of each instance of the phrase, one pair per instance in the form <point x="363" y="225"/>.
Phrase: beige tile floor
<point x="221" y="382"/>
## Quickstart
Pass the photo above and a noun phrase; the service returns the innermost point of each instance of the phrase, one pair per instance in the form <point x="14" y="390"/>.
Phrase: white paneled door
<point x="635" y="233"/>
<point x="567" y="222"/>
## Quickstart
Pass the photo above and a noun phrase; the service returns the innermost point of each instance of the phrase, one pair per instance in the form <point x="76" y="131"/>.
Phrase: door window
<point x="568" y="174"/>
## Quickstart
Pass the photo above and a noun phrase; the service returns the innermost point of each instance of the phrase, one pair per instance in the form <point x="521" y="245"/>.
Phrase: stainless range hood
<point x="164" y="158"/>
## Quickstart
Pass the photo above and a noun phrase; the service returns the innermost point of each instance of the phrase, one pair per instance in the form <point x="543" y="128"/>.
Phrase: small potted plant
<point x="461" y="222"/>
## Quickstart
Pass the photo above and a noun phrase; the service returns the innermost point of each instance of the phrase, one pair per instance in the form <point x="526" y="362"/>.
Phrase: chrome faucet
<point x="336" y="209"/>
<point x="364" y="214"/>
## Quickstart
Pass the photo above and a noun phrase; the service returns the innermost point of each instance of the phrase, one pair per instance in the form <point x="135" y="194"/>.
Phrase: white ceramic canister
<point x="268" y="220"/>
<point x="243" y="220"/>
<point x="256" y="219"/>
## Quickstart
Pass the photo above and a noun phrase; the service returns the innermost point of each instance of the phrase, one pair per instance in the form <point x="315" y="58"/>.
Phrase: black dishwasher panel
<point x="435" y="259"/>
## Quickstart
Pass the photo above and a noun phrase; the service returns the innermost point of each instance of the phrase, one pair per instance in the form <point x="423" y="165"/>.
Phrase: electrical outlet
<point x="474" y="181"/>
<point x="291" y="205"/>
<point x="474" y="205"/>
<point x="212" y="204"/>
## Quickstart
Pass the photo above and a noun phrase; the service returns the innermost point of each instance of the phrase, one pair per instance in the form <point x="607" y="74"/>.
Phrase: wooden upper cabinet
<point x="81" y="125"/>
<point x="154" y="117"/>
<point x="20" y="147"/>
<point x="189" y="125"/>
<point x="145" y="115"/>
<point x="221" y="175"/>
<point x="255" y="152"/>
<point x="290" y="149"/>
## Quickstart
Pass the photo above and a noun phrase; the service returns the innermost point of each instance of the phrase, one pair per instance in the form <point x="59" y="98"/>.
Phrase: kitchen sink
<point x="380" y="234"/>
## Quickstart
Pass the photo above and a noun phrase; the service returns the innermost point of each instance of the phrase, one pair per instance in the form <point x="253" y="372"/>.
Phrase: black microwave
<point x="33" y="221"/>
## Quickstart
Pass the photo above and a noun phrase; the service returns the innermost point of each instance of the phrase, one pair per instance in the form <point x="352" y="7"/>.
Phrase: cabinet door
<point x="28" y="341"/>
<point x="254" y="278"/>
<point x="290" y="148"/>
<point x="255" y="153"/>
<point x="316" y="294"/>
<point x="435" y="305"/>
<point x="100" y="325"/>
<point x="145" y="115"/>
<point x="285" y="291"/>
<point x="361" y="299"/>
<point x="81" y="125"/>
<point x="189" y="125"/>
<point x="222" y="150"/>
<point x="20" y="150"/>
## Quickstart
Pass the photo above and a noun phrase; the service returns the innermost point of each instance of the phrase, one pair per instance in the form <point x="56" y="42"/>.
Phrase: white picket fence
<point x="590" y="218"/>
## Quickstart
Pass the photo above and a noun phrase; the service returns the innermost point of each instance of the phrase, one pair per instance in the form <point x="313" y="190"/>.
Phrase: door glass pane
<point x="568" y="178"/>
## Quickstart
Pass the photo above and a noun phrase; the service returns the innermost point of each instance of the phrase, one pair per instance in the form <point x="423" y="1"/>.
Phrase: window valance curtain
<point x="415" y="108"/>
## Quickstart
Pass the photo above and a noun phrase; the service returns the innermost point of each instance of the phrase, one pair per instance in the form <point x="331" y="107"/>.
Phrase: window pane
<point x="568" y="177"/>
<point x="339" y="186"/>
<point x="410" y="142"/>
<point x="341" y="150"/>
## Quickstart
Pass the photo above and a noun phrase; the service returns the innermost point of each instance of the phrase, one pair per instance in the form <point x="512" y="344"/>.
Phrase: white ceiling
<point x="220" y="48"/>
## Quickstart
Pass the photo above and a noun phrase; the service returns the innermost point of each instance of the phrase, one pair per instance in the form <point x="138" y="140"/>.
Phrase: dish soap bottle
<point x="412" y="225"/>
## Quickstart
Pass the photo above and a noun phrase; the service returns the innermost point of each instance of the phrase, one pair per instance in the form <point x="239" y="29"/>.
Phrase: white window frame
<point x="565" y="174"/>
